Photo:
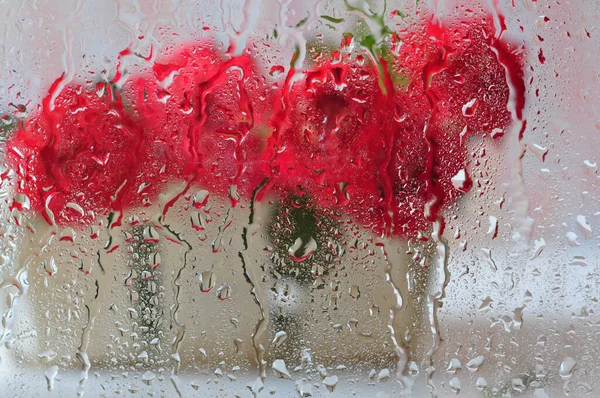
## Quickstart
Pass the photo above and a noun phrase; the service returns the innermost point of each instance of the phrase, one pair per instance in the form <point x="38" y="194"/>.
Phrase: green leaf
<point x="368" y="42"/>
<point x="297" y="218"/>
<point x="301" y="22"/>
<point x="7" y="125"/>
<point x="294" y="60"/>
<point x="332" y="19"/>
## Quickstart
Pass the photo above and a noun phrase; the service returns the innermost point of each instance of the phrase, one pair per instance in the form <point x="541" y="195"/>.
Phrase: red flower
<point x="456" y="86"/>
<point x="79" y="156"/>
<point x="208" y="111"/>
<point x="190" y="120"/>
<point x="333" y="142"/>
<point x="382" y="142"/>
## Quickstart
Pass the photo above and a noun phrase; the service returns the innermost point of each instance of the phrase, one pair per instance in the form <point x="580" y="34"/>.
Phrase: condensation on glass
<point x="299" y="198"/>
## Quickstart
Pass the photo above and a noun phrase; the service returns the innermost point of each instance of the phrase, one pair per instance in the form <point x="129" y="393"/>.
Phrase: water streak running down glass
<point x="299" y="198"/>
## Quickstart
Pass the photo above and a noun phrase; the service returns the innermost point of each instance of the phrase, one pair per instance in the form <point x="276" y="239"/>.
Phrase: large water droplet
<point x="280" y="337"/>
<point x="584" y="227"/>
<point x="455" y="385"/>
<point x="566" y="367"/>
<point x="481" y="383"/>
<point x="454" y="366"/>
<point x="148" y="377"/>
<point x="207" y="281"/>
<point x="461" y="181"/>
<point x="224" y="291"/>
<point x="280" y="369"/>
<point x="302" y="248"/>
<point x="517" y="385"/>
<point x="50" y="375"/>
<point x="330" y="382"/>
<point x="468" y="109"/>
<point x="383" y="375"/>
<point x="474" y="364"/>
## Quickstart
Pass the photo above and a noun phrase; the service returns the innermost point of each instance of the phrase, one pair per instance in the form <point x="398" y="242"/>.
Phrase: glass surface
<point x="299" y="198"/>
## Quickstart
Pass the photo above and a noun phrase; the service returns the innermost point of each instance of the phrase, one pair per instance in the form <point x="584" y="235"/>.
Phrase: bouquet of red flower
<point x="379" y="138"/>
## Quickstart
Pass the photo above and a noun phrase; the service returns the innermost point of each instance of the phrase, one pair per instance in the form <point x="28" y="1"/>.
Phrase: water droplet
<point x="302" y="249"/>
<point x="47" y="355"/>
<point x="540" y="393"/>
<point x="100" y="89"/>
<point x="455" y="385"/>
<point x="539" y="151"/>
<point x="474" y="364"/>
<point x="481" y="383"/>
<point x="468" y="109"/>
<point x="155" y="260"/>
<point x="330" y="382"/>
<point x="50" y="266"/>
<point x="539" y="246"/>
<point x="67" y="235"/>
<point x="493" y="229"/>
<point x="207" y="281"/>
<point x="355" y="291"/>
<point x="572" y="239"/>
<point x="304" y="388"/>
<point x="399" y="114"/>
<point x="383" y="375"/>
<point x="322" y="370"/>
<point x="198" y="222"/>
<point x="454" y="366"/>
<point x="280" y="369"/>
<point x="461" y="181"/>
<point x="517" y="385"/>
<point x="276" y="70"/>
<point x="143" y="356"/>
<point x="566" y="367"/>
<point x="50" y="375"/>
<point x="148" y="377"/>
<point x="21" y="202"/>
<point x="540" y="372"/>
<point x="497" y="133"/>
<point x="372" y="374"/>
<point x="257" y="386"/>
<point x="238" y="344"/>
<point x="280" y="337"/>
<point x="150" y="235"/>
<point x="412" y="368"/>
<point x="224" y="291"/>
<point x="578" y="261"/>
<point x="584" y="227"/>
<point x="352" y="323"/>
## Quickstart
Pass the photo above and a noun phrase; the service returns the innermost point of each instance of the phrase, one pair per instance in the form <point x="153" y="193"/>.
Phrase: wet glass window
<point x="289" y="198"/>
